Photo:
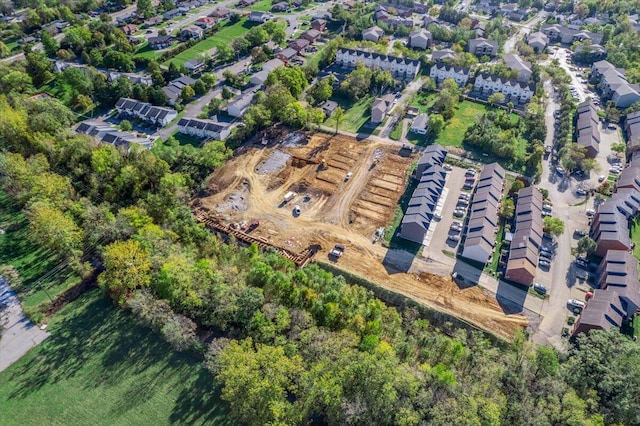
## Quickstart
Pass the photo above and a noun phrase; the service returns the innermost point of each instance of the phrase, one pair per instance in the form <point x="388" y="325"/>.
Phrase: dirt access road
<point x="335" y="210"/>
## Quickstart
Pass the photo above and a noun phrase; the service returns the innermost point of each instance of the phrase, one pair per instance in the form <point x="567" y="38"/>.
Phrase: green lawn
<point x="424" y="101"/>
<point x="43" y="276"/>
<point x="144" y="51"/>
<point x="454" y="129"/>
<point x="261" y="6"/>
<point x="396" y="133"/>
<point x="223" y="37"/>
<point x="99" y="368"/>
<point x="357" y="115"/>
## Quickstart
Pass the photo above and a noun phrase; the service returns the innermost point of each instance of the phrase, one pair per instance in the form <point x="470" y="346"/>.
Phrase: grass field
<point x="261" y="6"/>
<point x="424" y="101"/>
<point x="356" y="115"/>
<point x="144" y="51"/>
<point x="454" y="129"/>
<point x="99" y="368"/>
<point x="41" y="273"/>
<point x="223" y="37"/>
<point x="635" y="236"/>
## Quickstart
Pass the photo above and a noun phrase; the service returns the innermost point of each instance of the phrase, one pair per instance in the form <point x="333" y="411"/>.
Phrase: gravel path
<point x="18" y="333"/>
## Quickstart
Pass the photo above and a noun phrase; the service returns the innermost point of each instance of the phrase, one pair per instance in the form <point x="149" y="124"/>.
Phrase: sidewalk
<point x="18" y="333"/>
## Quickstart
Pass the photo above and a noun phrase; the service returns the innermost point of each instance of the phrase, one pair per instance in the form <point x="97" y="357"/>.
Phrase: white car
<point x="590" y="212"/>
<point x="296" y="210"/>
<point x="576" y="303"/>
<point x="601" y="178"/>
<point x="614" y="170"/>
<point x="348" y="176"/>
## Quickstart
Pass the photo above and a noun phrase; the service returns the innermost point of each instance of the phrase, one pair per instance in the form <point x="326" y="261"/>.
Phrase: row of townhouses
<point x="401" y="68"/>
<point x="614" y="85"/>
<point x="159" y="116"/>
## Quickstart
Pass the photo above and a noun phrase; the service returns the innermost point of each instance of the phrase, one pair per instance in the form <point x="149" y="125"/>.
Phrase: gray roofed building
<point x="174" y="88"/>
<point x="420" y="125"/>
<point x="569" y="35"/>
<point x="239" y="105"/>
<point x="483" y="216"/>
<point x="420" y="39"/>
<point x="481" y="46"/>
<point x="373" y="34"/>
<point x="614" y="85"/>
<point x="603" y="312"/>
<point x="538" y="41"/>
<point x="632" y="131"/>
<point x="160" y="116"/>
<point x="404" y="68"/>
<point x="433" y="154"/>
<point x="516" y="63"/>
<point x="587" y="128"/>
<point x="204" y="129"/>
<point x="443" y="55"/>
<point x="328" y="107"/>
<point x="380" y="107"/>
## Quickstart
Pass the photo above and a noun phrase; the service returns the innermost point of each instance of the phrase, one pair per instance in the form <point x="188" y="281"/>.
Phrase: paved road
<point x="524" y="29"/>
<point x="18" y="334"/>
<point x="411" y="89"/>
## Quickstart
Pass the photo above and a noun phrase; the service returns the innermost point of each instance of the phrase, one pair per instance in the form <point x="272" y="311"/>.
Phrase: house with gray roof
<point x="587" y="128"/>
<point x="420" y="124"/>
<point x="613" y="84"/>
<point x="538" y="41"/>
<point x="160" y="116"/>
<point x="420" y="39"/>
<point x="373" y="34"/>
<point x="401" y="68"/>
<point x="569" y="34"/>
<point x="481" y="47"/>
<point x="204" y="129"/>
<point x="516" y="63"/>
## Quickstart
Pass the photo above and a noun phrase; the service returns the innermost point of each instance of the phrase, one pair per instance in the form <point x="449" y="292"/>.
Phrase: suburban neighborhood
<point x="291" y="193"/>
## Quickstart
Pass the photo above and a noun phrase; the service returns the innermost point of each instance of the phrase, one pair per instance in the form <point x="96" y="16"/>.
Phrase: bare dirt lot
<point x="336" y="209"/>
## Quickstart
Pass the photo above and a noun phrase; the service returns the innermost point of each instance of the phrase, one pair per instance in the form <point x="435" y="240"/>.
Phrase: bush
<point x="571" y="320"/>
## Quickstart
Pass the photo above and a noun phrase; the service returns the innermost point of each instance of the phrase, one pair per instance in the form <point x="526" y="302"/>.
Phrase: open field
<point x="252" y="186"/>
<point x="454" y="129"/>
<point x="356" y="115"/>
<point x="42" y="275"/>
<point x="635" y="237"/>
<point x="99" y="368"/>
<point x="223" y="37"/>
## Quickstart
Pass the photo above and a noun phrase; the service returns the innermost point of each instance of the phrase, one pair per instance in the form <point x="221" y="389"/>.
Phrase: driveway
<point x="18" y="333"/>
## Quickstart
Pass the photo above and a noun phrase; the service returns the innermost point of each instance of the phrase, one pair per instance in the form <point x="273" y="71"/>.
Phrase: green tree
<point x="209" y="80"/>
<point x="225" y="53"/>
<point x="145" y="8"/>
<point x="338" y="117"/>
<point x="321" y="91"/>
<point x="586" y="245"/>
<point x="125" y="126"/>
<point x="508" y="208"/>
<point x="257" y="382"/>
<point x="496" y="98"/>
<point x="553" y="225"/>
<point x="53" y="230"/>
<point x="187" y="93"/>
<point x="49" y="44"/>
<point x="619" y="148"/>
<point x="199" y="88"/>
<point x="295" y="115"/>
<point x="127" y="267"/>
<point x="436" y="123"/>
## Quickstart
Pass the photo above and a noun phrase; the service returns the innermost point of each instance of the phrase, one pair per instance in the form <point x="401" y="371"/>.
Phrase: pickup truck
<point x="337" y="251"/>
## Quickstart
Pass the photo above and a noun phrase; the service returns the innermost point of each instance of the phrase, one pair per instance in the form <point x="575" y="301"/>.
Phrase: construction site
<point x="303" y="194"/>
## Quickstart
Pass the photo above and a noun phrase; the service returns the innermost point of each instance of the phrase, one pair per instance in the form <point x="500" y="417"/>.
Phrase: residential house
<point x="191" y="32"/>
<point x="483" y="215"/>
<point x="195" y="65"/>
<point x="260" y="77"/>
<point x="319" y="24"/>
<point x="527" y="239"/>
<point x="372" y="34"/>
<point x="299" y="45"/>
<point x="205" y="22"/>
<point x="260" y="17"/>
<point x="239" y="105"/>
<point x="425" y="200"/>
<point x="312" y="35"/>
<point x="538" y="41"/>
<point x="328" y="107"/>
<point x="441" y="71"/>
<point x="129" y="29"/>
<point x="174" y="88"/>
<point x="444" y="55"/>
<point x="160" y="116"/>
<point x="478" y="27"/>
<point x="614" y="85"/>
<point x="514" y="91"/>
<point x="420" y="125"/>
<point x="280" y="6"/>
<point x="287" y="54"/>
<point x="204" y="129"/>
<point x="380" y="107"/>
<point x="632" y="131"/>
<point x="482" y="47"/>
<point x="171" y="14"/>
<point x="403" y="68"/>
<point x="516" y="63"/>
<point x="397" y="22"/>
<point x="152" y="22"/>
<point x="589" y="53"/>
<point x="610" y="227"/>
<point x="246" y="3"/>
<point x="569" y="34"/>
<point x="221" y="13"/>
<point x="604" y="311"/>
<point x="160" y="42"/>
<point x="420" y="39"/>
<point x="586" y="126"/>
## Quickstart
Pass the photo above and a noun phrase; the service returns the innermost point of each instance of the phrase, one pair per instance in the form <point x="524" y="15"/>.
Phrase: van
<point x="289" y="196"/>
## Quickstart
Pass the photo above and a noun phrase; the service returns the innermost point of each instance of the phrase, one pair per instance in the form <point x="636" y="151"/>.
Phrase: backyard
<point x="356" y="115"/>
<point x="223" y="37"/>
<point x="98" y="367"/>
<point x="635" y="236"/>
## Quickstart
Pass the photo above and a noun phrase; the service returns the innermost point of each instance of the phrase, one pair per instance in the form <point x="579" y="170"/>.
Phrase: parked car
<point x="581" y="191"/>
<point x="581" y="232"/>
<point x="464" y="197"/>
<point x="458" y="213"/>
<point x="337" y="250"/>
<point x="601" y="178"/>
<point x="455" y="238"/>
<point x="447" y="167"/>
<point x="539" y="288"/>
<point x="560" y="171"/>
<point x="456" y="223"/>
<point x="582" y="274"/>
<point x="454" y="228"/>
<point x="348" y="176"/>
<point x="545" y="256"/>
<point x="296" y="210"/>
<point x="467" y="185"/>
<point x="590" y="212"/>
<point x="470" y="179"/>
<point x="470" y="172"/>
<point x="463" y="203"/>
<point x="614" y="170"/>
<point x="582" y="263"/>
<point x="576" y="303"/>
<point x="546" y="250"/>
<point x="544" y="263"/>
